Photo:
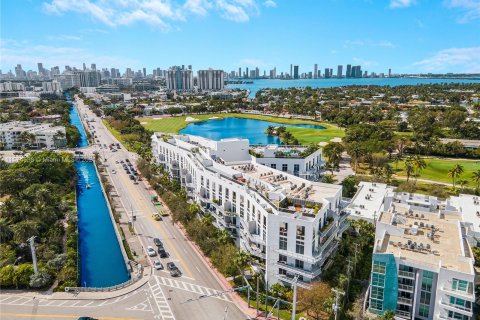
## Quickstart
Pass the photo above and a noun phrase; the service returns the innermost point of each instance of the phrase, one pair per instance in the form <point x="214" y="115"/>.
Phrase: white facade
<point x="46" y="135"/>
<point x="52" y="86"/>
<point x="290" y="159"/>
<point x="210" y="79"/>
<point x="423" y="266"/>
<point x="290" y="225"/>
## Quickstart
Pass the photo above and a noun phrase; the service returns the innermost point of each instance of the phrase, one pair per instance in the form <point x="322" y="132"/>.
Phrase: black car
<point x="121" y="161"/>
<point x="127" y="160"/>
<point x="157" y="242"/>
<point x="162" y="253"/>
<point x="132" y="177"/>
<point x="174" y="271"/>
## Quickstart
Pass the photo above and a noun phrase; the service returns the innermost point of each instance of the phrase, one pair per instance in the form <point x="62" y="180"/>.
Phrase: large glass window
<point x="300" y="247"/>
<point x="458" y="316"/>
<point x="298" y="264"/>
<point x="300" y="233"/>
<point x="460" y="285"/>
<point x="283" y="229"/>
<point x="423" y="311"/>
<point x="284" y="167"/>
<point x="273" y="166"/>
<point x="379" y="267"/>
<point x="283" y="243"/>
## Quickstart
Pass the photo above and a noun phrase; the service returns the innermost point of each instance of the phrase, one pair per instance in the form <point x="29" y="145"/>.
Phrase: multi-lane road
<point x="163" y="297"/>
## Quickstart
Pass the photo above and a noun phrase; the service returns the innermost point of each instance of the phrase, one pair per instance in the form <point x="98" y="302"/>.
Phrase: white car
<point x="151" y="252"/>
<point x="113" y="171"/>
<point x="157" y="265"/>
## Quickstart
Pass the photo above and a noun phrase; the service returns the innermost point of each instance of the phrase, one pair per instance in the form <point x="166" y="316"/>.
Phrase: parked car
<point x="151" y="252"/>
<point x="76" y="152"/>
<point x="156" y="216"/>
<point x="132" y="177"/>
<point x="174" y="271"/>
<point x="157" y="242"/>
<point x="157" y="265"/>
<point x="114" y="171"/>
<point x="162" y="253"/>
<point x="127" y="160"/>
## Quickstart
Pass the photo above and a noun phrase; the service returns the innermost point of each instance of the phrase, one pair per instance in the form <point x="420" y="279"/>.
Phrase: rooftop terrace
<point x="426" y="238"/>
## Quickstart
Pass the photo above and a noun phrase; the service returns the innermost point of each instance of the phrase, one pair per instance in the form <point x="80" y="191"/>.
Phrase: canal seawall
<point x="103" y="261"/>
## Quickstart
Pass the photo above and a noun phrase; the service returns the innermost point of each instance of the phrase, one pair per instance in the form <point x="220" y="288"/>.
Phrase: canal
<point x="101" y="259"/>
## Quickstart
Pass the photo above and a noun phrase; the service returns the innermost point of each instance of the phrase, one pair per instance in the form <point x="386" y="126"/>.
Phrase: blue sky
<point x="408" y="36"/>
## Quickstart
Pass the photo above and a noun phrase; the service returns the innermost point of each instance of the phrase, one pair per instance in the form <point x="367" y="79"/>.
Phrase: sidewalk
<point x="147" y="272"/>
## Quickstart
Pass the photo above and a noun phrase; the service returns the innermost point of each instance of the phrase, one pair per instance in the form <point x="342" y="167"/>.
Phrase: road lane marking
<point x="159" y="298"/>
<point x="155" y="223"/>
<point x="61" y="316"/>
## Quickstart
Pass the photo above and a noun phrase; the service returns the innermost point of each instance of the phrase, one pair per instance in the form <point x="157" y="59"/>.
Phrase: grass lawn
<point x="304" y="135"/>
<point x="437" y="169"/>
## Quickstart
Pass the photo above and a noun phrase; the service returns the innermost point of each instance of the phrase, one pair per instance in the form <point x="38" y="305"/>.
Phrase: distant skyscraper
<point x="93" y="67"/>
<point x="144" y="72"/>
<point x="389" y="73"/>
<point x="240" y="72"/>
<point x="246" y="73"/>
<point x="210" y="79"/>
<point x="295" y="72"/>
<point x="257" y="72"/>
<point x="326" y="74"/>
<point x="179" y="79"/>
<point x="291" y="71"/>
<point x="348" y="74"/>
<point x="41" y="71"/>
<point x="315" y="71"/>
<point x="339" y="71"/>
<point x="84" y="66"/>
<point x="89" y="78"/>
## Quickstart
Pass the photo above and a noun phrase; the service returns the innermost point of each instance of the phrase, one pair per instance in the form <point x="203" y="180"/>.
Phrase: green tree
<point x="476" y="178"/>
<point x="455" y="172"/>
<point x="388" y="315"/>
<point x="313" y="300"/>
<point x="7" y="276"/>
<point x="40" y="280"/>
<point x="333" y="151"/>
<point x="409" y="167"/>
<point x="22" y="275"/>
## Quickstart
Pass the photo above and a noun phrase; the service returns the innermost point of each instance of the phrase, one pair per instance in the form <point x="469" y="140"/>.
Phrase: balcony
<point x="405" y="301"/>
<point x="403" y="314"/>
<point x="405" y="287"/>
<point x="289" y="278"/>
<point x="462" y="294"/>
<point x="406" y="274"/>
<point x="456" y="308"/>
<point x="295" y="270"/>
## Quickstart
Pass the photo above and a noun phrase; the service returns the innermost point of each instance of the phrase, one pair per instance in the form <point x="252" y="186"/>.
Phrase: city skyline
<point x="263" y="34"/>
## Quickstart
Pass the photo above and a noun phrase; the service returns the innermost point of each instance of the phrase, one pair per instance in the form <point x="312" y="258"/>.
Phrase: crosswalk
<point x="161" y="301"/>
<point x="194" y="288"/>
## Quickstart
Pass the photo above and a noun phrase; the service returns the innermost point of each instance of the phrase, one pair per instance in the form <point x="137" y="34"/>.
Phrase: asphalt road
<point x="163" y="297"/>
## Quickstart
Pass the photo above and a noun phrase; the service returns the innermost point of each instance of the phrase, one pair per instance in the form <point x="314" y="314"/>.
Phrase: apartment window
<point x="282" y="271"/>
<point x="379" y="267"/>
<point x="298" y="264"/>
<point x="377" y="285"/>
<point x="461" y="303"/>
<point x="458" y="316"/>
<point x="283" y="229"/>
<point x="423" y="311"/>
<point x="282" y="258"/>
<point x="300" y="233"/>
<point x="284" y="167"/>
<point x="283" y="243"/>
<point x="273" y="166"/>
<point x="461" y="285"/>
<point x="296" y="169"/>
<point x="300" y="247"/>
<point x="425" y="297"/>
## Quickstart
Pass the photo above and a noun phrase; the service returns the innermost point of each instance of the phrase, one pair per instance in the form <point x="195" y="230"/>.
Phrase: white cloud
<point x="452" y="60"/>
<point x="394" y="4"/>
<point x="270" y="4"/>
<point x="157" y="13"/>
<point x="470" y="9"/>
<point x="232" y="12"/>
<point x="64" y="37"/>
<point x="28" y="54"/>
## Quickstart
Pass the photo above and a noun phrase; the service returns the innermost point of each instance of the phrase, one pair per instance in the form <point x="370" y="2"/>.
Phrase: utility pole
<point x="337" y="296"/>
<point x="355" y="259"/>
<point x="349" y="269"/>
<point x="31" y="241"/>
<point x="258" y="295"/>
<point x="294" y="305"/>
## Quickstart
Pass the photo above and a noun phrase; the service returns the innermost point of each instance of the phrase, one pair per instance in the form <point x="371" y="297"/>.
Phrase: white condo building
<point x="297" y="160"/>
<point x="210" y="80"/>
<point x="46" y="135"/>
<point x="290" y="225"/>
<point x="423" y="266"/>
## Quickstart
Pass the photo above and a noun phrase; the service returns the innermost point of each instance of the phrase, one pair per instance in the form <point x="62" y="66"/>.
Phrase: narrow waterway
<point x="101" y="259"/>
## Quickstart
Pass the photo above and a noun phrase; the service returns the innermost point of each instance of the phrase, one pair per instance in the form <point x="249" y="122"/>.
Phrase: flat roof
<point x="469" y="206"/>
<point x="368" y="201"/>
<point x="310" y="191"/>
<point x="444" y="249"/>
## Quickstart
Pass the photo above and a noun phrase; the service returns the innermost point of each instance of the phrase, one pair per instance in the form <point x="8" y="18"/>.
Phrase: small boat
<point x="88" y="186"/>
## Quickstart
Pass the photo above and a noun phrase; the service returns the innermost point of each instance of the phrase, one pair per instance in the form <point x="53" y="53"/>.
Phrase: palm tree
<point x="409" y="167"/>
<point x="455" y="172"/>
<point x="24" y="230"/>
<point x="207" y="220"/>
<point x="224" y="237"/>
<point x="419" y="165"/>
<point x="5" y="230"/>
<point x="26" y="138"/>
<point x="333" y="151"/>
<point x="462" y="183"/>
<point x="329" y="178"/>
<point x="356" y="152"/>
<point x="387" y="172"/>
<point x="476" y="178"/>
